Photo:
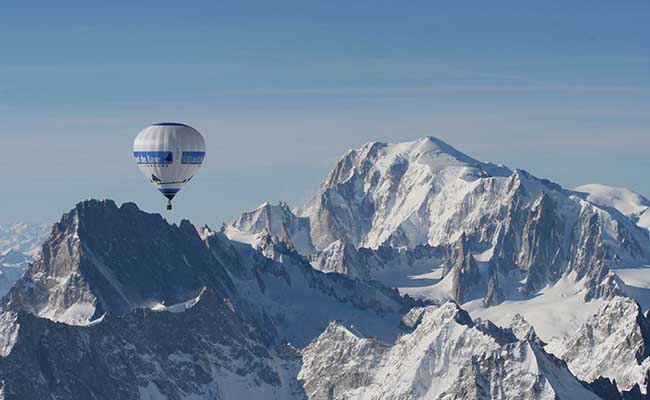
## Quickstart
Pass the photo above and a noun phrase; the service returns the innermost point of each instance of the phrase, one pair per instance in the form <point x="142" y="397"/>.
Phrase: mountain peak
<point x="382" y="187"/>
<point x="446" y="355"/>
<point x="428" y="150"/>
<point x="413" y="150"/>
<point x="101" y="257"/>
<point x="433" y="144"/>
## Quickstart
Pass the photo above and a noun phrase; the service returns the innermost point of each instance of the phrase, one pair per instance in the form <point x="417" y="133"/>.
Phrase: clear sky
<point x="280" y="90"/>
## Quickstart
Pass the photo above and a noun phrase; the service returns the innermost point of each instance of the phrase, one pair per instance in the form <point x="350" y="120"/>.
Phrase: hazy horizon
<point x="297" y="201"/>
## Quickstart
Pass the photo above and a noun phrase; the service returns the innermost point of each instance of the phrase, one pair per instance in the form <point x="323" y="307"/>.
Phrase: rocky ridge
<point x="445" y="356"/>
<point x="613" y="343"/>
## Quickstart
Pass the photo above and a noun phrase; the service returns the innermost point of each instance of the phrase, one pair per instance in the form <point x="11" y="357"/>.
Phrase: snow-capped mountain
<point x="102" y="258"/>
<point x="504" y="234"/>
<point x="277" y="220"/>
<point x="419" y="193"/>
<point x="402" y="194"/>
<point x="613" y="343"/>
<point x="23" y="238"/>
<point x="446" y="356"/>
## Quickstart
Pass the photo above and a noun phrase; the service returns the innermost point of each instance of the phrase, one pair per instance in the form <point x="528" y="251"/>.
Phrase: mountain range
<point x="415" y="271"/>
<point x="20" y="243"/>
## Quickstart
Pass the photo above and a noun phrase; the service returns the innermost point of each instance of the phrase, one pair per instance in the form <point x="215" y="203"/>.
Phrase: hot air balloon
<point x="169" y="154"/>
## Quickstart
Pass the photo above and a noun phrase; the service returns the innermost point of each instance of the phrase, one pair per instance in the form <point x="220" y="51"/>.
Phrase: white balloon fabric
<point x="169" y="154"/>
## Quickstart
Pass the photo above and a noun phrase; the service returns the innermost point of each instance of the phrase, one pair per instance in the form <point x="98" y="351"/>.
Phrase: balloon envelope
<point x="169" y="154"/>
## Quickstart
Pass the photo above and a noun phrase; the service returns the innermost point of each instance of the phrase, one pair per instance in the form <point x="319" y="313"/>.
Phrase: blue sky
<point x="281" y="89"/>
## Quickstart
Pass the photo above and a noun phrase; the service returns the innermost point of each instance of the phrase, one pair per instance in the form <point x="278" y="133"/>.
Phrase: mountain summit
<point x="393" y="193"/>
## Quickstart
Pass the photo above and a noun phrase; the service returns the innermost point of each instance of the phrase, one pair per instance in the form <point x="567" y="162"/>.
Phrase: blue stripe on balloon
<point x="154" y="157"/>
<point x="192" y="157"/>
<point x="168" y="191"/>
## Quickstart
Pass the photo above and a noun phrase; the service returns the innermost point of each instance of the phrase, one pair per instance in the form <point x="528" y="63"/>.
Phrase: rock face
<point x="426" y="193"/>
<point x="613" y="343"/>
<point x="277" y="220"/>
<point x="463" y="269"/>
<point x="381" y="264"/>
<point x="205" y="352"/>
<point x="446" y="356"/>
<point x="100" y="258"/>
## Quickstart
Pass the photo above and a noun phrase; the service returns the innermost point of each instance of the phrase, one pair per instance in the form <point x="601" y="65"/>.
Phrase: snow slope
<point x="628" y="202"/>
<point x="400" y="193"/>
<point x="635" y="282"/>
<point x="543" y="310"/>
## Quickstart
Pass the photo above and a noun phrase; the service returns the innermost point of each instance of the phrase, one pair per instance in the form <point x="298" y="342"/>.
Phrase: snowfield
<point x="628" y="202"/>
